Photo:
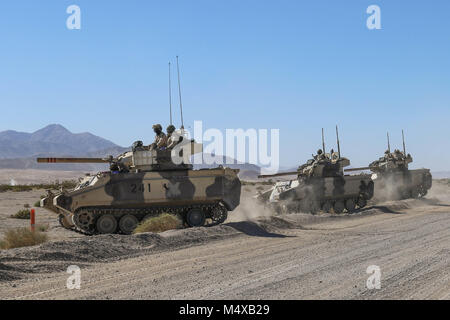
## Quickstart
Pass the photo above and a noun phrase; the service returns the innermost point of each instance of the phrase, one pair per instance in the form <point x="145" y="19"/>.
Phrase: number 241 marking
<point x="139" y="188"/>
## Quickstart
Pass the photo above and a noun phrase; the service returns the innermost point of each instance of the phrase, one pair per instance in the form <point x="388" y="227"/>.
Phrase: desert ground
<point x="34" y="176"/>
<point x="253" y="255"/>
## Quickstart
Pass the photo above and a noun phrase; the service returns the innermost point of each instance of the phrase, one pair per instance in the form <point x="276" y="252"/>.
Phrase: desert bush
<point x="21" y="214"/>
<point x="26" y="205"/>
<point x="68" y="184"/>
<point x="160" y="223"/>
<point x="37" y="204"/>
<point x="22" y="237"/>
<point x="18" y="188"/>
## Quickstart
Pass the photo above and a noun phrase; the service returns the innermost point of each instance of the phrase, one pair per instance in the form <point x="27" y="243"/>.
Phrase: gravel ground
<point x="34" y="176"/>
<point x="11" y="202"/>
<point x="297" y="256"/>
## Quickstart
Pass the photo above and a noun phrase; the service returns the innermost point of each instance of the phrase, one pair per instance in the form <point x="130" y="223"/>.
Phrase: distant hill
<point x="19" y="150"/>
<point x="441" y="174"/>
<point x="52" y="140"/>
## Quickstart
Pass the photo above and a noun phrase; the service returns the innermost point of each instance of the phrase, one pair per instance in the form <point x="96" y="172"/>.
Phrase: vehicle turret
<point x="142" y="158"/>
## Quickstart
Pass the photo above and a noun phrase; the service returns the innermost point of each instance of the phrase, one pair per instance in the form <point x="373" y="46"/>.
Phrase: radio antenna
<point x="179" y="92"/>
<point x="404" y="148"/>
<point x="323" y="142"/>
<point x="389" y="143"/>
<point x="170" y="97"/>
<point x="338" y="145"/>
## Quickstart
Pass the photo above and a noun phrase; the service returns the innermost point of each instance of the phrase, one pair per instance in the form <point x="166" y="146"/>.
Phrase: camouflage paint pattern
<point x="144" y="189"/>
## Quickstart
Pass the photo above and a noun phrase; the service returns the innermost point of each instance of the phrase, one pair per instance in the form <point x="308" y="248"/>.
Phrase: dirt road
<point x="290" y="258"/>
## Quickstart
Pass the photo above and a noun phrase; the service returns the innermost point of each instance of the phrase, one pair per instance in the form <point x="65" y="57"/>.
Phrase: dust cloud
<point x="386" y="190"/>
<point x="249" y="209"/>
<point x="440" y="190"/>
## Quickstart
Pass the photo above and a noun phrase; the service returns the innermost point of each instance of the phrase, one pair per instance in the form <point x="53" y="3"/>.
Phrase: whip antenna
<point x="179" y="92"/>
<point x="170" y="97"/>
<point x="323" y="142"/>
<point x="338" y="145"/>
<point x="404" y="148"/>
<point x="389" y="143"/>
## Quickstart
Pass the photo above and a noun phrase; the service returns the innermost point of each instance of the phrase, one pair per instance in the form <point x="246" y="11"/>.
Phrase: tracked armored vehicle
<point x="320" y="185"/>
<point x="143" y="183"/>
<point x="394" y="180"/>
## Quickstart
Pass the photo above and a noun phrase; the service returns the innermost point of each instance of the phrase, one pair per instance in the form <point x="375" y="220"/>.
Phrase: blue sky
<point x="293" y="65"/>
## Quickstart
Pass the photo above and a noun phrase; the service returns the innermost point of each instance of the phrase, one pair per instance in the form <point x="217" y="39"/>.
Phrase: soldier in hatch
<point x="173" y="137"/>
<point x="398" y="155"/>
<point x="319" y="156"/>
<point x="160" y="138"/>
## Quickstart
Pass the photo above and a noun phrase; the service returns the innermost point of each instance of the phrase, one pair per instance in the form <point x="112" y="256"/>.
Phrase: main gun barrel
<point x="278" y="174"/>
<point x="358" y="169"/>
<point x="72" y="160"/>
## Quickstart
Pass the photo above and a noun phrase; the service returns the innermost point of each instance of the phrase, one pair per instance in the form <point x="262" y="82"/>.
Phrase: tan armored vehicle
<point x="143" y="183"/>
<point x="393" y="179"/>
<point x="147" y="181"/>
<point x="320" y="185"/>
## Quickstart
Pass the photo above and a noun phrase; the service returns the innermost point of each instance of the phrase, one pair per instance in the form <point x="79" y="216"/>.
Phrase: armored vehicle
<point x="142" y="183"/>
<point x="394" y="180"/>
<point x="320" y="185"/>
<point x="147" y="181"/>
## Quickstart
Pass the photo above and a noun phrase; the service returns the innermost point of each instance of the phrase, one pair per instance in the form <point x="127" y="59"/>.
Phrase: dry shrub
<point x="18" y="188"/>
<point x="163" y="222"/>
<point x="21" y="214"/>
<point x="22" y="237"/>
<point x="67" y="184"/>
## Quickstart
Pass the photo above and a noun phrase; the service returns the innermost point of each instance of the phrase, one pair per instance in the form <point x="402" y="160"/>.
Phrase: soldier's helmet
<point x="319" y="152"/>
<point x="157" y="127"/>
<point x="386" y="152"/>
<point x="170" y="128"/>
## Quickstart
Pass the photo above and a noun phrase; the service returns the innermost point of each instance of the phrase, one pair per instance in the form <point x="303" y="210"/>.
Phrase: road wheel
<point x="128" y="223"/>
<point x="415" y="193"/>
<point x="339" y="206"/>
<point x="219" y="214"/>
<point x="423" y="191"/>
<point x="195" y="218"/>
<point x="350" y="205"/>
<point x="362" y="202"/>
<point x="84" y="220"/>
<point x="107" y="223"/>
<point x="327" y="206"/>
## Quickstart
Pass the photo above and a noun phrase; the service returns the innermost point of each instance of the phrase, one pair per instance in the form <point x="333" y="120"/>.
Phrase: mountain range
<point x="19" y="150"/>
<point x="54" y="139"/>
